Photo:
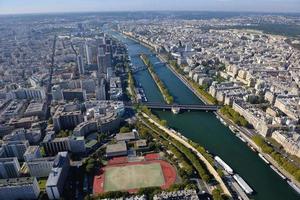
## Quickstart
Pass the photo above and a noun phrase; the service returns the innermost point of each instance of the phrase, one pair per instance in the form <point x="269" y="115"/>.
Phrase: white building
<point x="57" y="176"/>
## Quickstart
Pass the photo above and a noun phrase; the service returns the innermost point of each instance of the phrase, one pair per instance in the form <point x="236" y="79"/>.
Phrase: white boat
<point x="252" y="148"/>
<point x="294" y="186"/>
<point x="243" y="184"/>
<point x="263" y="158"/>
<point x="233" y="129"/>
<point x="241" y="138"/>
<point x="224" y="165"/>
<point x="277" y="172"/>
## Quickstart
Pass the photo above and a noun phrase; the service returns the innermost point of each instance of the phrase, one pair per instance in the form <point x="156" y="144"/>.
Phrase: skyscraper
<point x="80" y="64"/>
<point x="89" y="54"/>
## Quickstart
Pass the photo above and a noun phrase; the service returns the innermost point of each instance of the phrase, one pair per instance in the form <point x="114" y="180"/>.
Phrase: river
<point x="205" y="129"/>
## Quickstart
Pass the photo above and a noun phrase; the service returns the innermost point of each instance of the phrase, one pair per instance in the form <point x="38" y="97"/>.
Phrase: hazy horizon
<point x="67" y="6"/>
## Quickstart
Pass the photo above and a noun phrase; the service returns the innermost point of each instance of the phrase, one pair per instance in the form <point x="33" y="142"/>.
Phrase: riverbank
<point x="172" y="69"/>
<point x="177" y="136"/>
<point x="206" y="101"/>
<point x="162" y="88"/>
<point x="205" y="129"/>
<point x="252" y="144"/>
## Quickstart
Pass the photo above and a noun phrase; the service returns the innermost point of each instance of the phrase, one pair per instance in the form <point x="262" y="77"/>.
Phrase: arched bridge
<point x="163" y="106"/>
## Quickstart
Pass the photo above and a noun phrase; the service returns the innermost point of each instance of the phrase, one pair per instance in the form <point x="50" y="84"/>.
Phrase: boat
<point x="233" y="129"/>
<point x="223" y="122"/>
<point x="241" y="138"/>
<point x="252" y="148"/>
<point x="224" y="165"/>
<point x="175" y="110"/>
<point x="263" y="158"/>
<point x="243" y="184"/>
<point x="294" y="186"/>
<point x="277" y="172"/>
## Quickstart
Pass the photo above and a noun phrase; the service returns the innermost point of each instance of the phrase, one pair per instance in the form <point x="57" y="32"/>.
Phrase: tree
<point x="125" y="129"/>
<point x="216" y="194"/>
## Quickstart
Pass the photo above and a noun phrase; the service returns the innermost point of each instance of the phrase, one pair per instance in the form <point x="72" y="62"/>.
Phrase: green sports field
<point x="133" y="177"/>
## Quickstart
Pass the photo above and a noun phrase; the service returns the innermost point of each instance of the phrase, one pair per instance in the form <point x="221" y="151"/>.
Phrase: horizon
<point x="12" y="7"/>
<point x="149" y="11"/>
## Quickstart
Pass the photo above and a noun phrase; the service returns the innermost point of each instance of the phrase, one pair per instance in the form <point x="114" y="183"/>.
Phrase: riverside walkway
<point x="177" y="136"/>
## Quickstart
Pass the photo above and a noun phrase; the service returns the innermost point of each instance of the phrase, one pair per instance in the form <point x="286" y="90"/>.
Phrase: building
<point x="67" y="117"/>
<point x="85" y="128"/>
<point x="74" y="94"/>
<point x="119" y="149"/>
<point x="15" y="148"/>
<point x="255" y="116"/>
<point x="76" y="144"/>
<point x="36" y="109"/>
<point x="107" y="114"/>
<point x="89" y="53"/>
<point x="26" y="188"/>
<point x="101" y="64"/>
<point x="40" y="167"/>
<point x="32" y="135"/>
<point x="100" y="90"/>
<point x="32" y="152"/>
<point x="56" y="93"/>
<point x="59" y="172"/>
<point x="80" y="65"/>
<point x="30" y="93"/>
<point x="126" y="136"/>
<point x="9" y="168"/>
<point x="290" y="141"/>
<point x="52" y="145"/>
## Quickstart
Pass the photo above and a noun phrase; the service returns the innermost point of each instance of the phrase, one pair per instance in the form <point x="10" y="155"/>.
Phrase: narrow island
<point x="163" y="89"/>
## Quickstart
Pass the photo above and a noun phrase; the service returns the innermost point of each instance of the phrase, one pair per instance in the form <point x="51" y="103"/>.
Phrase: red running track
<point x="169" y="172"/>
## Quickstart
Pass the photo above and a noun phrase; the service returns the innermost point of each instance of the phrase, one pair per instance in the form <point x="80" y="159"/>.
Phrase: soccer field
<point x="133" y="177"/>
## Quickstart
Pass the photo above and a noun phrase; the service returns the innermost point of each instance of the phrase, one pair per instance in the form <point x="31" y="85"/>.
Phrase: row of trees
<point x="163" y="89"/>
<point x="190" y="155"/>
<point x="282" y="161"/>
<point x="131" y="86"/>
<point x="184" y="168"/>
<point x="234" y="116"/>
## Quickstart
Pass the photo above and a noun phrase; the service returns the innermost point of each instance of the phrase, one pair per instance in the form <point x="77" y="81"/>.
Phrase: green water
<point x="205" y="129"/>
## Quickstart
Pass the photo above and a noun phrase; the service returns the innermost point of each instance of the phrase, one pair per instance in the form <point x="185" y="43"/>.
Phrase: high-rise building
<point x="101" y="64"/>
<point x="40" y="167"/>
<point x="30" y="93"/>
<point x="15" y="148"/>
<point x="54" y="145"/>
<point x="89" y="53"/>
<point x="57" y="176"/>
<point x="9" y="168"/>
<point x="100" y="90"/>
<point x="80" y="64"/>
<point x="19" y="188"/>
<point x="32" y="152"/>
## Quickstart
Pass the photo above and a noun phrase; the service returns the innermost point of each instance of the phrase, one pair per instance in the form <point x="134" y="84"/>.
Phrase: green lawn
<point x="42" y="184"/>
<point x="133" y="177"/>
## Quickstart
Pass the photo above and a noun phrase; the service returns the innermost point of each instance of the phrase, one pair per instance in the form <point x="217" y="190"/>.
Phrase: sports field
<point x="133" y="176"/>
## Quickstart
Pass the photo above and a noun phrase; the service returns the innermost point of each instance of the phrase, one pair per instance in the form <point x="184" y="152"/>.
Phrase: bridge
<point x="188" y="107"/>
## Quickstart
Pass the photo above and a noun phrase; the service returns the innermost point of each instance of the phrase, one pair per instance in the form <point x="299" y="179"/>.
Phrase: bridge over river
<point x="188" y="107"/>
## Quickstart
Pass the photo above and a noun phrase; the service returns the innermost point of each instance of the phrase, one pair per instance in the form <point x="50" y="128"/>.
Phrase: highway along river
<point x="205" y="129"/>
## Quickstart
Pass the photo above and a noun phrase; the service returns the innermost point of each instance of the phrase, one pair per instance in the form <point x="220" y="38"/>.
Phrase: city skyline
<point x="53" y="6"/>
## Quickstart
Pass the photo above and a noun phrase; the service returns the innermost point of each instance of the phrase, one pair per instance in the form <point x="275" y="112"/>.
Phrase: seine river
<point x="205" y="129"/>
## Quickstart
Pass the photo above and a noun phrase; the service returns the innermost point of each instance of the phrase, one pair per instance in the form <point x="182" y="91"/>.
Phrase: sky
<point x="46" y="6"/>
